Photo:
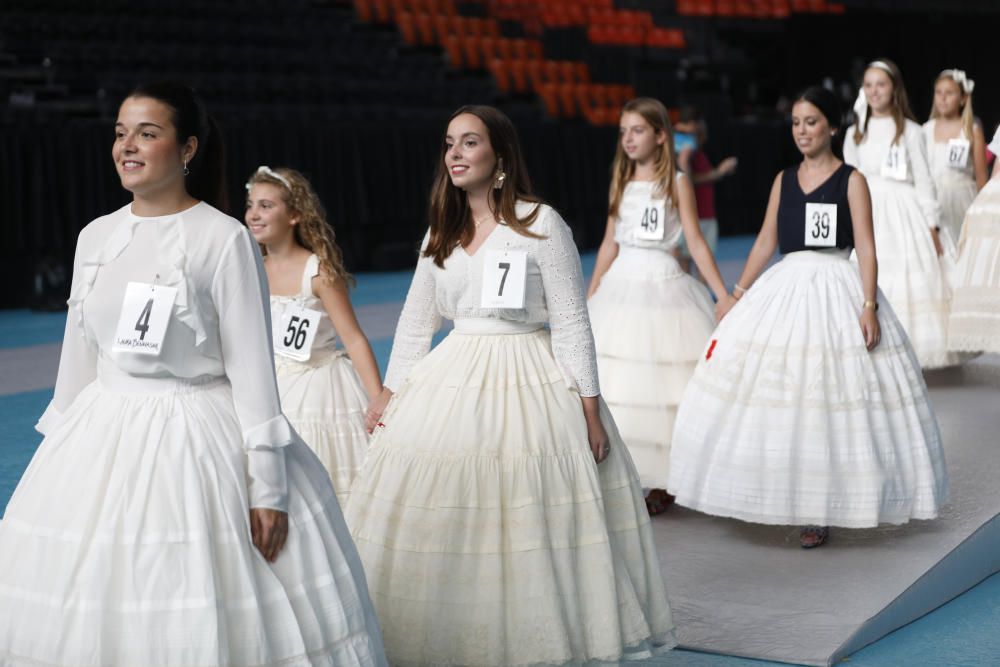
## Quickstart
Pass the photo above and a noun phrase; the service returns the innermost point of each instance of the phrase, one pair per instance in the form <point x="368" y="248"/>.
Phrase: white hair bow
<point x="861" y="108"/>
<point x="964" y="82"/>
<point x="267" y="171"/>
<point x="994" y="145"/>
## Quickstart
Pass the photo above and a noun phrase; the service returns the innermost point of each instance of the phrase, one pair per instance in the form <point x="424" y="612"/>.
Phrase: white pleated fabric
<point x="127" y="542"/>
<point x="956" y="188"/>
<point x="651" y="322"/>
<point x="790" y="420"/>
<point x="974" y="325"/>
<point x="488" y="534"/>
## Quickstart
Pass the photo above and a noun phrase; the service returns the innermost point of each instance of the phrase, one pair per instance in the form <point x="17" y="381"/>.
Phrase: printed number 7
<point x="506" y="269"/>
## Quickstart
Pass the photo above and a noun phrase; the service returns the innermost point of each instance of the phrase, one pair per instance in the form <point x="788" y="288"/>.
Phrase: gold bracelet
<point x="870" y="304"/>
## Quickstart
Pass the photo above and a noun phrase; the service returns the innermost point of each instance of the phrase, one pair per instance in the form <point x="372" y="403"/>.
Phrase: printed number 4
<point x="142" y="324"/>
<point x="296" y="336"/>
<point x="506" y="269"/>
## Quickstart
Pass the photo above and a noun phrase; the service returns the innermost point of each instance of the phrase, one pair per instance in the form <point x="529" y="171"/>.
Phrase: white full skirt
<point x="789" y="419"/>
<point x="127" y="542"/>
<point x="974" y="325"/>
<point x="488" y="533"/>
<point x="325" y="402"/>
<point x="651" y="322"/>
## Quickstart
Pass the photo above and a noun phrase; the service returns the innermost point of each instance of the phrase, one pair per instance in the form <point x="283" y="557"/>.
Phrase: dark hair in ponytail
<point x="829" y="105"/>
<point x="207" y="178"/>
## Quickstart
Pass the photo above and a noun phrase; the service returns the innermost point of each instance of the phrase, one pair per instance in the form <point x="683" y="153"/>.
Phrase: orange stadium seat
<point x="519" y="76"/>
<point x="501" y="73"/>
<point x="453" y="47"/>
<point x="407" y="28"/>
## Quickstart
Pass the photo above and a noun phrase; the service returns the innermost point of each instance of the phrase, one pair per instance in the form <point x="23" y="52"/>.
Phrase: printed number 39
<point x="821" y="225"/>
<point x="506" y="269"/>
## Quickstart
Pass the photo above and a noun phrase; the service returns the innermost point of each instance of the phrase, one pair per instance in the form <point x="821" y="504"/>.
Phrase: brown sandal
<point x="811" y="537"/>
<point x="657" y="501"/>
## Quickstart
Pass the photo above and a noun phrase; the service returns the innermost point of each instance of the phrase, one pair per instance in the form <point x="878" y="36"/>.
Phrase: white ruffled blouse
<point x="554" y="294"/>
<point x="220" y="323"/>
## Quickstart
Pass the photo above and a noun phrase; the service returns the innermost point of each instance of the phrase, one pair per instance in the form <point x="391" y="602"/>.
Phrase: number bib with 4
<point x="296" y="332"/>
<point x="145" y="314"/>
<point x="821" y="225"/>
<point x="504" y="278"/>
<point x="894" y="166"/>
<point x="651" y="225"/>
<point x="958" y="153"/>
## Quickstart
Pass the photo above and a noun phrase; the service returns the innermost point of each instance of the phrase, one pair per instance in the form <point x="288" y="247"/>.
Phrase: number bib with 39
<point x="821" y="225"/>
<point x="651" y="225"/>
<point x="504" y="278"/>
<point x="144" y="317"/>
<point x="296" y="332"/>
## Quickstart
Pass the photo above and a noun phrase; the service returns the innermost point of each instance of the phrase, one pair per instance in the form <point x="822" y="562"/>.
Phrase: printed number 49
<point x="142" y="324"/>
<point x="650" y="219"/>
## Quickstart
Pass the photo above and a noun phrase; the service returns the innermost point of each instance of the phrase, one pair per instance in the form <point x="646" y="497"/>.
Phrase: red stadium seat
<point x="519" y="76"/>
<point x="501" y="72"/>
<point x="471" y="51"/>
<point x="408" y="28"/>
<point x="453" y="47"/>
<point x="425" y="29"/>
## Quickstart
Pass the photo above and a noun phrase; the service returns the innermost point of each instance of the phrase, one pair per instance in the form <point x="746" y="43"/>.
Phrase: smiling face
<point x="146" y="151"/>
<point x="810" y="129"/>
<point x="267" y="215"/>
<point x="878" y="89"/>
<point x="948" y="97"/>
<point x="639" y="140"/>
<point x="469" y="156"/>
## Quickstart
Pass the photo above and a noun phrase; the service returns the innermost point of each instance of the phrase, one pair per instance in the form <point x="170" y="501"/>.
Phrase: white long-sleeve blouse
<point x="220" y="323"/>
<point x="554" y="294"/>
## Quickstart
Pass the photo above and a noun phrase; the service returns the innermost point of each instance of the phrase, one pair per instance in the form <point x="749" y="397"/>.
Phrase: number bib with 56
<point x="958" y="153"/>
<point x="144" y="317"/>
<point x="651" y="225"/>
<point x="296" y="333"/>
<point x="504" y="278"/>
<point x="821" y="225"/>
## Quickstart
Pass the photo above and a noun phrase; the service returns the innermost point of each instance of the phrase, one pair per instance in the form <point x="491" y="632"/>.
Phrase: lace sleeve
<point x="562" y="280"/>
<point x="417" y="324"/>
<point x="916" y="146"/>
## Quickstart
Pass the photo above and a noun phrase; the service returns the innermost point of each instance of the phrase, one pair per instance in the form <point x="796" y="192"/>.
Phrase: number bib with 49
<point x="144" y="317"/>
<point x="296" y="332"/>
<point x="651" y="224"/>
<point x="821" y="225"/>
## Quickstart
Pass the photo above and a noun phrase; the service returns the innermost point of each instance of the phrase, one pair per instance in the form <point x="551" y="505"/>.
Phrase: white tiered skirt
<point x="325" y="402"/>
<point x="789" y="419"/>
<point x="651" y="322"/>
<point x="488" y="533"/>
<point x="974" y="325"/>
<point x="127" y="542"/>
<point x="910" y="273"/>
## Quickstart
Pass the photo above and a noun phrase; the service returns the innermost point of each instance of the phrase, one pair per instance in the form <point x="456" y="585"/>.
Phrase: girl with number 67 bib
<point x="651" y="319"/>
<point x="323" y="391"/>
<point x="888" y="147"/>
<point x="808" y="406"/>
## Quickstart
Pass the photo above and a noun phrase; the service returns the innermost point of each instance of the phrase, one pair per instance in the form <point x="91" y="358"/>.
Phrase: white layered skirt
<point x="789" y="419"/>
<point x="974" y="325"/>
<point x="910" y="273"/>
<point x="651" y="322"/>
<point x="127" y="542"/>
<point x="956" y="191"/>
<point x="489" y="535"/>
<point x="325" y="402"/>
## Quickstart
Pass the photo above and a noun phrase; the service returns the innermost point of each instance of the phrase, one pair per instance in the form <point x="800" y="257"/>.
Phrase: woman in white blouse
<point x="171" y="516"/>
<point x="913" y="250"/>
<point x="488" y="533"/>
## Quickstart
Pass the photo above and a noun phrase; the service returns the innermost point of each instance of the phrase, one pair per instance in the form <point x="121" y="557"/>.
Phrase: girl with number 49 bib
<point x="321" y="391"/>
<point x="651" y="319"/>
<point x="808" y="406"/>
<point x="888" y="147"/>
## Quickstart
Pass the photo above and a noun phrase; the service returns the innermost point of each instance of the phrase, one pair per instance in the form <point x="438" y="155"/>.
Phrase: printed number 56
<point x="296" y="336"/>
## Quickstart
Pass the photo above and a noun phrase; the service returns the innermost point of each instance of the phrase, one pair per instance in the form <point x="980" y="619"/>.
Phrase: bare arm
<point x="337" y="303"/>
<point x="860" y="202"/>
<point x="767" y="239"/>
<point x="725" y="168"/>
<point x="697" y="246"/>
<point x="979" y="156"/>
<point x="606" y="254"/>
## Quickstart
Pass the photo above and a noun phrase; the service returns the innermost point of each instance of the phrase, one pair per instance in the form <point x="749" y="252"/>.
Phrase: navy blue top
<point x="793" y="228"/>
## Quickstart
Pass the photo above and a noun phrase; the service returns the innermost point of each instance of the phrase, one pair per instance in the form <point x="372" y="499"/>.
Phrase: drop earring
<point x="501" y="175"/>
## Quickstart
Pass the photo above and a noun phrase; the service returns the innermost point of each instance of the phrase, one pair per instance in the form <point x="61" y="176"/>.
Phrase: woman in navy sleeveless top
<point x="808" y="407"/>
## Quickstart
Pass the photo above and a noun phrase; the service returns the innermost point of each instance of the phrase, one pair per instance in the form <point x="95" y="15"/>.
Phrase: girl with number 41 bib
<point x="651" y="319"/>
<point x="808" y="406"/>
<point x="888" y="147"/>
<point x="323" y="391"/>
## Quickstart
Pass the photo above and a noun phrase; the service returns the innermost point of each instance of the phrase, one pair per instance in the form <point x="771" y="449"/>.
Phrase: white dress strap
<point x="311" y="269"/>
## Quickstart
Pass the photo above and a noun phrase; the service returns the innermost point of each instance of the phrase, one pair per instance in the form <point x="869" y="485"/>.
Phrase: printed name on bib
<point x="958" y="153"/>
<point x="296" y="332"/>
<point x="651" y="224"/>
<point x="821" y="225"/>
<point x="145" y="314"/>
<point x="894" y="166"/>
<point x="504" y="278"/>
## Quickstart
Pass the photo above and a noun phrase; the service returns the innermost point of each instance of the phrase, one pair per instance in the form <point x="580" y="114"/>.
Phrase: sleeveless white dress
<point x="955" y="188"/>
<point x="322" y="396"/>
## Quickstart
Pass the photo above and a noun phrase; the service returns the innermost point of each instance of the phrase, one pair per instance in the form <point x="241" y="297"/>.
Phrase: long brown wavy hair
<point x="900" y="103"/>
<point x="312" y="231"/>
<point x="965" y="108"/>
<point x="449" y="214"/>
<point x="623" y="167"/>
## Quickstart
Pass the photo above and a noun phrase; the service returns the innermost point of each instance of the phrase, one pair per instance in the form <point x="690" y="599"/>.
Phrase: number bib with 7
<point x="821" y="225"/>
<point x="144" y="317"/>
<point x="651" y="226"/>
<point x="296" y="333"/>
<point x="504" y="278"/>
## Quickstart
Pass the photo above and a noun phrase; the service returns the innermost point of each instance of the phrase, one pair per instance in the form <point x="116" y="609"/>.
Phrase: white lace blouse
<point x="871" y="154"/>
<point x="220" y="323"/>
<point x="554" y="294"/>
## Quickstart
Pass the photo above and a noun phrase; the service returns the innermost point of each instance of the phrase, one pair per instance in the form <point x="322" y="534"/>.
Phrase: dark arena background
<point x="356" y="95"/>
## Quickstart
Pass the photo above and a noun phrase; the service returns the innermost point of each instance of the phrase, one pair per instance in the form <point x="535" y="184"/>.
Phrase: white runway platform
<point x="750" y="590"/>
